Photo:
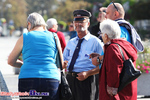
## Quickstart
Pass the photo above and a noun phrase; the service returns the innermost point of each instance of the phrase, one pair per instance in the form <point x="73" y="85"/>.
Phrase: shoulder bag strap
<point x="120" y="51"/>
<point x="59" y="52"/>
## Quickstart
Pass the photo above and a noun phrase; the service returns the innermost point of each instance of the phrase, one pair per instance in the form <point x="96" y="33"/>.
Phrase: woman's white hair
<point x="111" y="28"/>
<point x="36" y="20"/>
<point x="50" y="22"/>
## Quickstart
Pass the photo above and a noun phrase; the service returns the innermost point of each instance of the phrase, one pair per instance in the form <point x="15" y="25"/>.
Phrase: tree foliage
<point x="65" y="10"/>
<point x="44" y="7"/>
<point x="140" y="10"/>
<point x="17" y="12"/>
<point x="91" y="1"/>
<point x="131" y="2"/>
<point x="62" y="10"/>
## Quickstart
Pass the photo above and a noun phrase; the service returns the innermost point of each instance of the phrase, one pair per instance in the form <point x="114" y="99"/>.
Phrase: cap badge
<point x="78" y="15"/>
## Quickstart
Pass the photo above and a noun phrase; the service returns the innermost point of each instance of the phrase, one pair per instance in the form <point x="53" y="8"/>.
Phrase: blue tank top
<point x="39" y="52"/>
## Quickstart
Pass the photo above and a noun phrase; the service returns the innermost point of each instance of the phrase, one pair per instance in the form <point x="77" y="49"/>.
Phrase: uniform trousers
<point x="83" y="90"/>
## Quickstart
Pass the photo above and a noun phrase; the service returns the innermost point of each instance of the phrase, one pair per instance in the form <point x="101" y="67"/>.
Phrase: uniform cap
<point x="79" y="13"/>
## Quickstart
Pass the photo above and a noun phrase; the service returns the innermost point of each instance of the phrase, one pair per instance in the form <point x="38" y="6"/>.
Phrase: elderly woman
<point x="113" y="64"/>
<point x="38" y="69"/>
<point x="52" y="26"/>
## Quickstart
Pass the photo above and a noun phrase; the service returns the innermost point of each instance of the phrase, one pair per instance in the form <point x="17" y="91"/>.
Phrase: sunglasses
<point x="114" y="5"/>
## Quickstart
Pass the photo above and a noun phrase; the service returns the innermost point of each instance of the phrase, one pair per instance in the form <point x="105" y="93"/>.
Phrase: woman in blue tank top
<point x="39" y="74"/>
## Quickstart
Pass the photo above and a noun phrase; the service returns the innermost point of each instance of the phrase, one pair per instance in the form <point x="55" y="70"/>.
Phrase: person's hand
<point x="111" y="90"/>
<point x="94" y="61"/>
<point x="65" y="64"/>
<point x="92" y="55"/>
<point x="82" y="76"/>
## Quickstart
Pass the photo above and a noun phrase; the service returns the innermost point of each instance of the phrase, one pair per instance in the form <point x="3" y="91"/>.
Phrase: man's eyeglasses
<point x="114" y="5"/>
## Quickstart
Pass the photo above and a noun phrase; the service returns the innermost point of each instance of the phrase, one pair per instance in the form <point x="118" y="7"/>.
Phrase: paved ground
<point x="6" y="46"/>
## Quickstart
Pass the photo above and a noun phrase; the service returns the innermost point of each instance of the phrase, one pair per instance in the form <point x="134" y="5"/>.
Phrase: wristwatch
<point x="98" y="60"/>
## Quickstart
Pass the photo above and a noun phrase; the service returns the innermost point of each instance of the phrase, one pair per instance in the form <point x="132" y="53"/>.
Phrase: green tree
<point x="91" y="1"/>
<point x="131" y="2"/>
<point x="43" y="7"/>
<point x="140" y="10"/>
<point x="17" y="12"/>
<point x="65" y="9"/>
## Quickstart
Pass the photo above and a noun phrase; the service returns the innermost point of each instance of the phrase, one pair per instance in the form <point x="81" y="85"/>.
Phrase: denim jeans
<point x="37" y="87"/>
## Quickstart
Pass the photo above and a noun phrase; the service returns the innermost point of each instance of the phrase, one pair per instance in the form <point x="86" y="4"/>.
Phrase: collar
<point x="119" y="19"/>
<point x="86" y="37"/>
<point x="109" y="42"/>
<point x="52" y="30"/>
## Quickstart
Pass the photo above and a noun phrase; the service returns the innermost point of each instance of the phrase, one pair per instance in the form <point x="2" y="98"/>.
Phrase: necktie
<point x="75" y="55"/>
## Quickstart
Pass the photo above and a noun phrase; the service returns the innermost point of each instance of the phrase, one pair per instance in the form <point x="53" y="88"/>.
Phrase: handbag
<point x="64" y="89"/>
<point x="128" y="73"/>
